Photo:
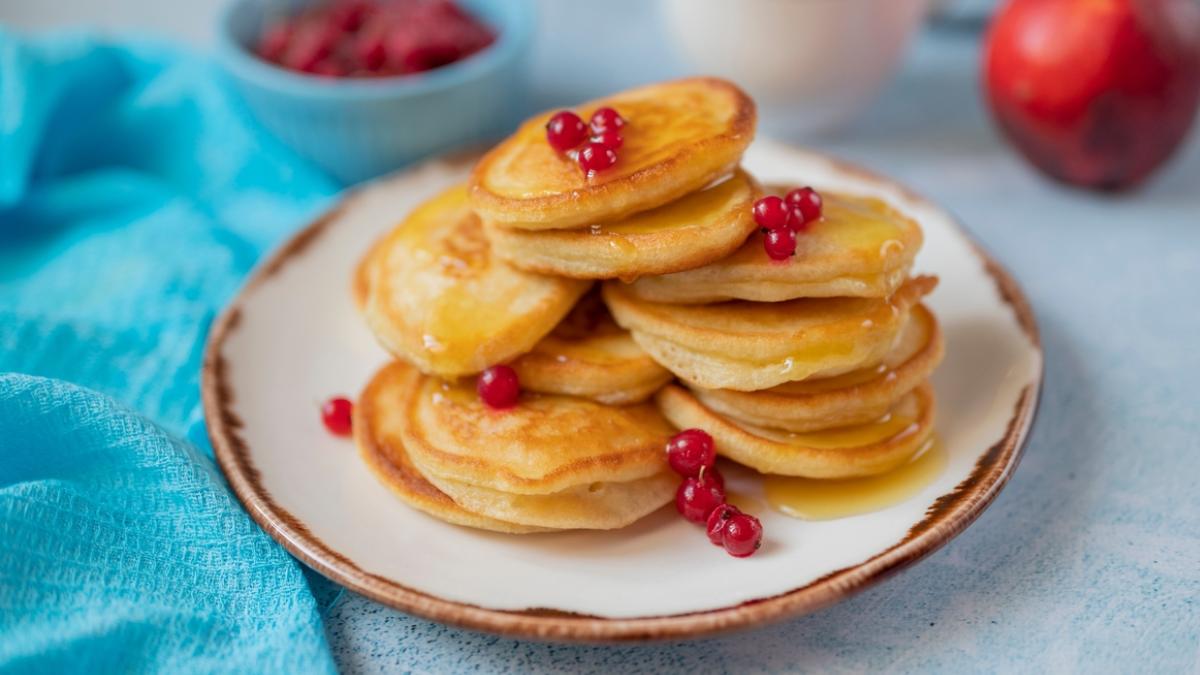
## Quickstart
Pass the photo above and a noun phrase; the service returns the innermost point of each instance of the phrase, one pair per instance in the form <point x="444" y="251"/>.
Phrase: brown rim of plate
<point x="949" y="514"/>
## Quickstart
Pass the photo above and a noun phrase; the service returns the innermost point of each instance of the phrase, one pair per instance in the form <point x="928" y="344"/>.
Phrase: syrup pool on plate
<point x="812" y="499"/>
<point x="745" y="502"/>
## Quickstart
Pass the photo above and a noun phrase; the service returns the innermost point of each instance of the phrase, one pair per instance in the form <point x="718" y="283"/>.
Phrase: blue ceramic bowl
<point x="359" y="129"/>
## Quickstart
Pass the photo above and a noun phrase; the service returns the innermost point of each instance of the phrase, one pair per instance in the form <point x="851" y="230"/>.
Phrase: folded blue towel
<point x="134" y="196"/>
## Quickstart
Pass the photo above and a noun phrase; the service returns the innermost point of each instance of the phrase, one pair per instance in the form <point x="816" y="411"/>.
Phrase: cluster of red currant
<point x="782" y="219"/>
<point x="701" y="496"/>
<point x="566" y="131"/>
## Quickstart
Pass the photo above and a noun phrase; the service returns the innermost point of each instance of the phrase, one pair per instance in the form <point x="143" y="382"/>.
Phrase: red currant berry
<point x="780" y="244"/>
<point x="606" y="119"/>
<point x="565" y="130"/>
<point x="712" y="475"/>
<point x="690" y="450"/>
<point x="796" y="221"/>
<point x="335" y="414"/>
<point x="696" y="500"/>
<point x="498" y="387"/>
<point x="716" y="523"/>
<point x="770" y="212"/>
<point x="595" y="157"/>
<point x="742" y="535"/>
<point x="610" y="139"/>
<point x="807" y="201"/>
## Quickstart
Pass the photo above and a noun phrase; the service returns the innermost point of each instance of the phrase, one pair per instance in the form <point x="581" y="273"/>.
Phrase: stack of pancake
<point x="812" y="367"/>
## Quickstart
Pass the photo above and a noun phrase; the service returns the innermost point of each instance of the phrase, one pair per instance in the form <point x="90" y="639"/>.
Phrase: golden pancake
<point x="852" y="398"/>
<point x="861" y="247"/>
<point x="679" y="137"/>
<point x="376" y="432"/>
<point x="861" y="450"/>
<point x="545" y="444"/>
<point x="691" y="231"/>
<point x="597" y="506"/>
<point x="589" y="355"/>
<point x="750" y="346"/>
<point x="437" y="297"/>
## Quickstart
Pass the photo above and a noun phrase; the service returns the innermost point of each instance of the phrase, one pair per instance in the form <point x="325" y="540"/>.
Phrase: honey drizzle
<point x="695" y="209"/>
<point x="812" y="499"/>
<point x="892" y="425"/>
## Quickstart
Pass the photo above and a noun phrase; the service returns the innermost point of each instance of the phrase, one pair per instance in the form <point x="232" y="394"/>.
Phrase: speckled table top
<point x="1089" y="560"/>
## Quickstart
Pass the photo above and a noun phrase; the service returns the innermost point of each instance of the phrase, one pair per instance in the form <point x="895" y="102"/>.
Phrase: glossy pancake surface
<point x="861" y="450"/>
<point x="748" y="346"/>
<point x="433" y="293"/>
<point x="544" y="444"/>
<point x="377" y="422"/>
<point x="589" y="355"/>
<point x="851" y="398"/>
<point x="689" y="232"/>
<point x="861" y="247"/>
<point x="679" y="137"/>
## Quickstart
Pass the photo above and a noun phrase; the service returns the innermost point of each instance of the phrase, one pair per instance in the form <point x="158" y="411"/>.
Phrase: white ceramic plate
<point x="293" y="338"/>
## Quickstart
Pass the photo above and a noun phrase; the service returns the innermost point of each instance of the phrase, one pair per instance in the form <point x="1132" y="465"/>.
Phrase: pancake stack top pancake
<point x="815" y="366"/>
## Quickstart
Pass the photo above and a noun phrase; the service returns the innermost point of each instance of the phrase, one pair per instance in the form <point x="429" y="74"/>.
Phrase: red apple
<point x="1096" y="93"/>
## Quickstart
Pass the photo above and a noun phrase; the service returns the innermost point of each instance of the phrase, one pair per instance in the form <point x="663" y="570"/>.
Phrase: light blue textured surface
<point x="1089" y="561"/>
<point x="133" y="199"/>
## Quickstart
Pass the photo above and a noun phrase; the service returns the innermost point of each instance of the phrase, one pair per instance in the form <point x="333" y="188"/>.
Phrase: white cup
<point x="812" y="65"/>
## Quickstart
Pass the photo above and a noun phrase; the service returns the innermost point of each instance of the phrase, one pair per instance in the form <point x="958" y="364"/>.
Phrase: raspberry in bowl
<point x="372" y="38"/>
<point x="362" y="87"/>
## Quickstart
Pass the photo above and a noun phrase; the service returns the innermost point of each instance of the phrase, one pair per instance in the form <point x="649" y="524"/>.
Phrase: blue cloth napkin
<point x="134" y="196"/>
